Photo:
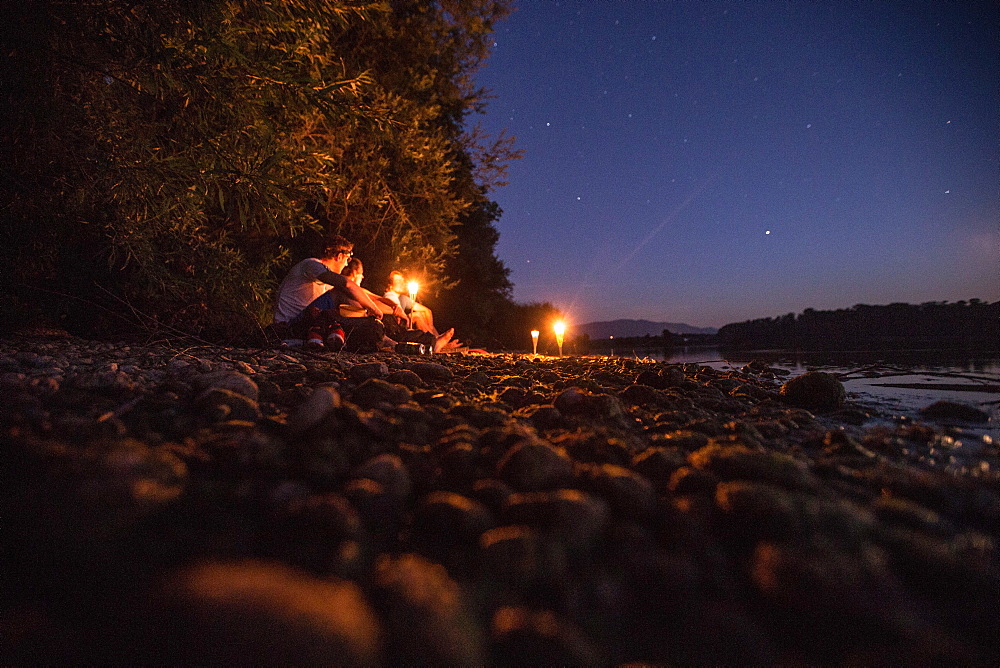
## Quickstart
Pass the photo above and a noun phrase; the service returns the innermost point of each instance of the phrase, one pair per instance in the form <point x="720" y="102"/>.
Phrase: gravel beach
<point x="172" y="504"/>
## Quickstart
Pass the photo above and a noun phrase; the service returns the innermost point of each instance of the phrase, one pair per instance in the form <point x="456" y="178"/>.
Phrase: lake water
<point x="866" y="374"/>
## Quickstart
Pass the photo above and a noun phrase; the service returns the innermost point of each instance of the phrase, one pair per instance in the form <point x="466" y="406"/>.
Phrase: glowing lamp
<point x="412" y="287"/>
<point x="534" y="341"/>
<point x="560" y="329"/>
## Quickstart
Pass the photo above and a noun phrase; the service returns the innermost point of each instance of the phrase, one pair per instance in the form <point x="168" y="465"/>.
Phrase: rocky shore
<point x="170" y="504"/>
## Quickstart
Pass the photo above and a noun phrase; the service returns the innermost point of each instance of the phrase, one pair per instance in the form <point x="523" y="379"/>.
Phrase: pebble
<point x="275" y="614"/>
<point x="814" y="389"/>
<point x="480" y="509"/>
<point x="310" y="412"/>
<point x="227" y="380"/>
<point x="374" y="391"/>
<point x="952" y="410"/>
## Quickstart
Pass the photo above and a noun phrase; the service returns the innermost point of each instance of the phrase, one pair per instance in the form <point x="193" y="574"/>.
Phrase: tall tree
<point x="168" y="152"/>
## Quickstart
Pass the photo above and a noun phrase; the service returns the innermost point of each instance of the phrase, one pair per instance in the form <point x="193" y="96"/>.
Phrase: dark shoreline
<point x="584" y="510"/>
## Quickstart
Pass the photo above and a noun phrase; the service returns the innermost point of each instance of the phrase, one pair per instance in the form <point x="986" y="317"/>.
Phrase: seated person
<point x="310" y="279"/>
<point x="355" y="271"/>
<point x="397" y="324"/>
<point x="421" y="317"/>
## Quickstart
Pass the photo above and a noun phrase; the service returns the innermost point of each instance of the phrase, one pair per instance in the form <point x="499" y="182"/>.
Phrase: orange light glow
<point x="560" y="329"/>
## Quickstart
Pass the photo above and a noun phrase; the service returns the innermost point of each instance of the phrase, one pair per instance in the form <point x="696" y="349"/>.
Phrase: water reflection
<point x="868" y="376"/>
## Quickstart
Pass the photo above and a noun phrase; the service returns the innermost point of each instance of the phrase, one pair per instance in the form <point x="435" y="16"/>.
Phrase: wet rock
<point x="227" y="612"/>
<point x="814" y="390"/>
<point x="951" y="410"/>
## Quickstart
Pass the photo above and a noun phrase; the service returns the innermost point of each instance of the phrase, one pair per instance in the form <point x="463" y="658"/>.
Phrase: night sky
<point x="712" y="162"/>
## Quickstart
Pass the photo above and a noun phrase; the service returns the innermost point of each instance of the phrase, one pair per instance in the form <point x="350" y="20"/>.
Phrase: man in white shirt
<point x="314" y="277"/>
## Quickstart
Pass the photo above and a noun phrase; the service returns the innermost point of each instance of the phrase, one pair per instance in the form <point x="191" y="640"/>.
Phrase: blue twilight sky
<point x="711" y="162"/>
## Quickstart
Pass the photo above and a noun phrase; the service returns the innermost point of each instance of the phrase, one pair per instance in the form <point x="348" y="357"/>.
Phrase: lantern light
<point x="560" y="329"/>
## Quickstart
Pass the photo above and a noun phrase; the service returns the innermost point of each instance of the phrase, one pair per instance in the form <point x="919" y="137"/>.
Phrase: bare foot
<point x="442" y="341"/>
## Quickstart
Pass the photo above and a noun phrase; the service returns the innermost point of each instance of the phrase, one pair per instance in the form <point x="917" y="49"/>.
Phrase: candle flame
<point x="412" y="287"/>
<point x="559" y="328"/>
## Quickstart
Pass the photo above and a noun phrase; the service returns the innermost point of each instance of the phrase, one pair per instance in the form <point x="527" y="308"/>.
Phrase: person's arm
<point x="392" y="306"/>
<point x="357" y="293"/>
<point x="387" y="305"/>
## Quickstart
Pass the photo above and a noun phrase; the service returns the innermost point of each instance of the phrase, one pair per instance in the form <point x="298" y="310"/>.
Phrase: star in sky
<point x="837" y="120"/>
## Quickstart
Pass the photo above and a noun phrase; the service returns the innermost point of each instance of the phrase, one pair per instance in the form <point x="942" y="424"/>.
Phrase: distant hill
<point x="624" y="328"/>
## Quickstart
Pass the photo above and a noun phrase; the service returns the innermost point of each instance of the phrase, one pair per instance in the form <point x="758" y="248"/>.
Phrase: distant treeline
<point x="967" y="325"/>
<point x="666" y="340"/>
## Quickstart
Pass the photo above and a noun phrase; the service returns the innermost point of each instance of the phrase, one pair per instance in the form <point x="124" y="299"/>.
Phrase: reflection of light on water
<point x="890" y="403"/>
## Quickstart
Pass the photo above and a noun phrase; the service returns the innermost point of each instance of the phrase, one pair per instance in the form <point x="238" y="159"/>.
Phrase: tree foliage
<point x="972" y="325"/>
<point x="167" y="155"/>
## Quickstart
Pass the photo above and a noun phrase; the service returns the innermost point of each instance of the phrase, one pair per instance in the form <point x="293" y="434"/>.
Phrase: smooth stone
<point x="430" y="371"/>
<point x="374" y="391"/>
<point x="428" y="621"/>
<point x="405" y="377"/>
<point x="218" y="404"/>
<point x="389" y="471"/>
<point x="951" y="410"/>
<point x="277" y="615"/>
<point x="316" y="407"/>
<point x="362" y="372"/>
<point x="227" y="380"/>
<point x="814" y="389"/>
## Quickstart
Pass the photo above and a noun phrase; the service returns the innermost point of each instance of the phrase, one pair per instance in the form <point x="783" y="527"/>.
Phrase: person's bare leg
<point x="423" y="319"/>
<point x="442" y="340"/>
